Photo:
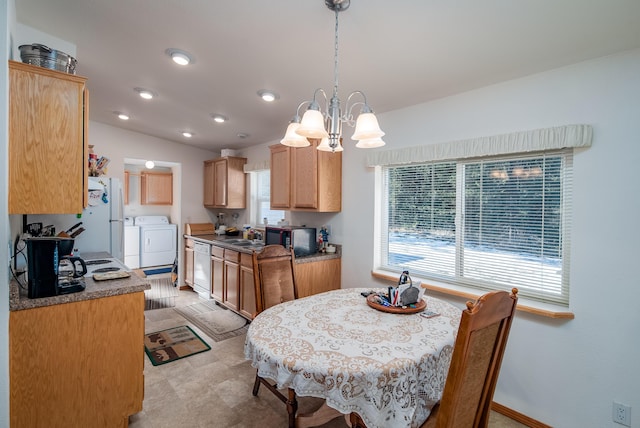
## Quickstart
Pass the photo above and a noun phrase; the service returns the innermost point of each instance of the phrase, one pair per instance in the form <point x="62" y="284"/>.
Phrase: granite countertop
<point x="224" y="242"/>
<point x="18" y="299"/>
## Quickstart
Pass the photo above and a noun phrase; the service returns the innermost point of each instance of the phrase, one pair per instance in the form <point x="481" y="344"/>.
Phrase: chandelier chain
<point x="335" y="59"/>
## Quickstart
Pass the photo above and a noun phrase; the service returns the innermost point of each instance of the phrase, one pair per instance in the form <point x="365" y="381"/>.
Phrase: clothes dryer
<point x="158" y="240"/>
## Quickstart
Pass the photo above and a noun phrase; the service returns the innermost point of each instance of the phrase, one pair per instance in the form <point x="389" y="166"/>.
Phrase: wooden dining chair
<point x="475" y="364"/>
<point x="275" y="283"/>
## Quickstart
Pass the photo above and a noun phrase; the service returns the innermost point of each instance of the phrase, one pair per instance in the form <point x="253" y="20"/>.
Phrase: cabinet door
<point x="188" y="266"/>
<point x="156" y="188"/>
<point x="232" y="279"/>
<point x="126" y="187"/>
<point x="217" y="278"/>
<point x="304" y="177"/>
<point x="317" y="277"/>
<point x="209" y="178"/>
<point x="280" y="177"/>
<point x="47" y="152"/>
<point x="71" y="357"/>
<point x="220" y="183"/>
<point x="247" y="288"/>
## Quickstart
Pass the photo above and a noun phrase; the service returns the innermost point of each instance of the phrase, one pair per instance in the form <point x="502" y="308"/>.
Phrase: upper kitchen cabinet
<point x="156" y="188"/>
<point x="48" y="119"/>
<point x="306" y="179"/>
<point x="224" y="183"/>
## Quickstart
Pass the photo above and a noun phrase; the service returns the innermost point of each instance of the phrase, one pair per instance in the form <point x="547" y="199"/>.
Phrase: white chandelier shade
<point x="292" y="138"/>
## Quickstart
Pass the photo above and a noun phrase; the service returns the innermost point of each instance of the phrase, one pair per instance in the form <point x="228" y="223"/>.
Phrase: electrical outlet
<point x="621" y="414"/>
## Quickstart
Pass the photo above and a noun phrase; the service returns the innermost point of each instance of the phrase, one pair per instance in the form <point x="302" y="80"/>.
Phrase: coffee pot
<point x="51" y="269"/>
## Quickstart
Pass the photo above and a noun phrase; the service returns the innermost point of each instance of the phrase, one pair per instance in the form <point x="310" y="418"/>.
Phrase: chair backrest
<point x="273" y="276"/>
<point x="476" y="359"/>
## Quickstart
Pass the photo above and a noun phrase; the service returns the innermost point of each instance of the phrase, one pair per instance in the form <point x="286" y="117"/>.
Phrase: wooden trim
<point x="522" y="308"/>
<point x="517" y="416"/>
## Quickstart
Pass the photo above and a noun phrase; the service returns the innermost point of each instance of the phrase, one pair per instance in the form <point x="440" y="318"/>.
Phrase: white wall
<point x="563" y="373"/>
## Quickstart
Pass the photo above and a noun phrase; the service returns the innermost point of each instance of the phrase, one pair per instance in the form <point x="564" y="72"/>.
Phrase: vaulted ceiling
<point x="400" y="53"/>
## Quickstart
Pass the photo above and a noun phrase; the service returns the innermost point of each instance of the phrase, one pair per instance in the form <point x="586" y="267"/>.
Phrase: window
<point x="487" y="223"/>
<point x="260" y="199"/>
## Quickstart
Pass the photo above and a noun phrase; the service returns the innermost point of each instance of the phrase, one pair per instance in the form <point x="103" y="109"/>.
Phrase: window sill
<point x="536" y="308"/>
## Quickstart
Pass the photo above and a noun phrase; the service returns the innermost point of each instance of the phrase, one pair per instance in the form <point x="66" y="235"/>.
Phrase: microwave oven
<point x="302" y="239"/>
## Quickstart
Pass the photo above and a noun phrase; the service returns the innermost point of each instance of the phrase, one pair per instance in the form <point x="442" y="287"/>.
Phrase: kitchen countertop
<point x="18" y="299"/>
<point x="219" y="240"/>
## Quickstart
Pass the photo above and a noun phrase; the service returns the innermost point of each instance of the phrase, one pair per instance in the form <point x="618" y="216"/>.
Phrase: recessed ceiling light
<point x="144" y="93"/>
<point x="268" y="96"/>
<point x="242" y="135"/>
<point x="187" y="134"/>
<point x="180" y="57"/>
<point x="121" y="116"/>
<point x="149" y="164"/>
<point x="219" y="118"/>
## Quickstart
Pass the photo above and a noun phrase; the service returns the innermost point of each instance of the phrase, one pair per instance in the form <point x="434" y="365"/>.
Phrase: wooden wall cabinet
<point x="48" y="151"/>
<point x="77" y="364"/>
<point x="224" y="183"/>
<point x="306" y="179"/>
<point x="156" y="188"/>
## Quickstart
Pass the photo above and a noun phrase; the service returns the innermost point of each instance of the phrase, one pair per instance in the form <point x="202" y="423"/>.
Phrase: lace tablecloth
<point x="390" y="368"/>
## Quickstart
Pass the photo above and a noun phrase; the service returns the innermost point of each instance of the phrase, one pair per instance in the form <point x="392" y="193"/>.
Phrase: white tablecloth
<point x="390" y="368"/>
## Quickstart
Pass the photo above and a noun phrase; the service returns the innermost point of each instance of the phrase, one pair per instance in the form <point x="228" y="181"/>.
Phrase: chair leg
<point x="292" y="408"/>
<point x="256" y="385"/>
<point x="356" y="421"/>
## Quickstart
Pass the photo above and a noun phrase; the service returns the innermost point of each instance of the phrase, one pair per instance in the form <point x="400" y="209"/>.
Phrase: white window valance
<point x="559" y="137"/>
<point x="256" y="166"/>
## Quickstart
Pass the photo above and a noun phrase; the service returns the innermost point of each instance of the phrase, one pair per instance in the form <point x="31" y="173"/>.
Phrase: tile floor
<point x="213" y="389"/>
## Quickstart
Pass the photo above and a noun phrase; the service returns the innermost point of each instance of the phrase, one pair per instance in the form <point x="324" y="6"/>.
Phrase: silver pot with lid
<point x="44" y="56"/>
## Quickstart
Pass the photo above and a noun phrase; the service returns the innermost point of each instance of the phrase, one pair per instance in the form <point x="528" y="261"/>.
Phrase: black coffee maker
<point x="51" y="269"/>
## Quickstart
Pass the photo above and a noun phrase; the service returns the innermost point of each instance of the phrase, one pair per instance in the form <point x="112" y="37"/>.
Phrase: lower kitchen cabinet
<point x="247" y="289"/>
<point x="77" y="364"/>
<point x="317" y="277"/>
<point x="217" y="273"/>
<point x="188" y="262"/>
<point x="232" y="279"/>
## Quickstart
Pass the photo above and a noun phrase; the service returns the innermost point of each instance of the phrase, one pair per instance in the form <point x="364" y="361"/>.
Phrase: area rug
<point x="165" y="346"/>
<point x="216" y="322"/>
<point x="161" y="295"/>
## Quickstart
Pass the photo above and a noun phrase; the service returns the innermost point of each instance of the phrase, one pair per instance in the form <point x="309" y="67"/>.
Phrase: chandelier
<point x="327" y="125"/>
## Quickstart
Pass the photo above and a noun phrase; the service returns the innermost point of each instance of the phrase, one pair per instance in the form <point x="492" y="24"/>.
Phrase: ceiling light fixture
<point x="187" y="134"/>
<point x="121" y="116"/>
<point x="144" y="93"/>
<point x="267" y="96"/>
<point x="219" y="118"/>
<point x="180" y="57"/>
<point x="328" y="125"/>
<point x="149" y="164"/>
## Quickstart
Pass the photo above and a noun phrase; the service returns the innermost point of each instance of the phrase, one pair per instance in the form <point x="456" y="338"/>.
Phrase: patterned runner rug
<point x="215" y="321"/>
<point x="161" y="295"/>
<point x="173" y="344"/>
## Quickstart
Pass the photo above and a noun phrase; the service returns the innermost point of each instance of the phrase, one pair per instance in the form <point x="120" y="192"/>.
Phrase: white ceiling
<point x="400" y="53"/>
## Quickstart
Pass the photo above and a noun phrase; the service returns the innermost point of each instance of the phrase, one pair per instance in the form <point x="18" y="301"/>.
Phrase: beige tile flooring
<point x="213" y="389"/>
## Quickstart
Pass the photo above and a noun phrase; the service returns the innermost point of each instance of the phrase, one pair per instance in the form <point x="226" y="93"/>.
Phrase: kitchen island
<point x="231" y="281"/>
<point x="77" y="359"/>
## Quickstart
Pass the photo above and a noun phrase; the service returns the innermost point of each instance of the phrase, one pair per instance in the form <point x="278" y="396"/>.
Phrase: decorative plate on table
<point x="418" y="307"/>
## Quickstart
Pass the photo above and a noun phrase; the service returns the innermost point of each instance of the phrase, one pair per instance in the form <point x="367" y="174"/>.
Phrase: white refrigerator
<point x="102" y="219"/>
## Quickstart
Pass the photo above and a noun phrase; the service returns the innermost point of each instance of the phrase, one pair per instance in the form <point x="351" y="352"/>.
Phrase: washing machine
<point x="131" y="243"/>
<point x="158" y="240"/>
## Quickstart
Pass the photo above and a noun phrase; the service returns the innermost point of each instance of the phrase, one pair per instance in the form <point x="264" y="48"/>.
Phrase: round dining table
<point x="390" y="368"/>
